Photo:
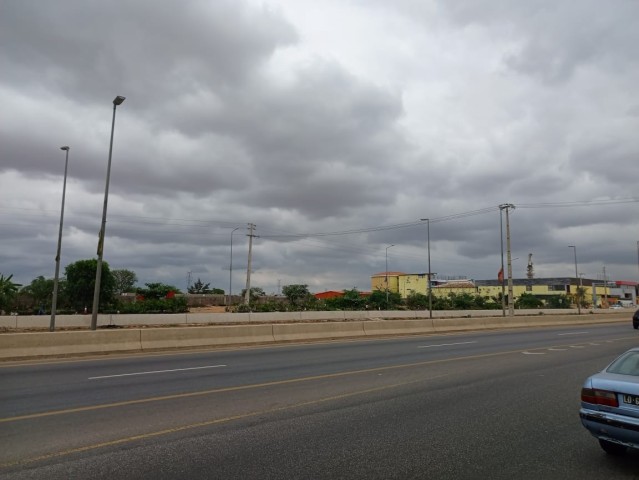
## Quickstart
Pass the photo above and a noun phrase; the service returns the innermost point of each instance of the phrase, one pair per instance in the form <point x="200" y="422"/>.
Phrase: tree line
<point x="76" y="289"/>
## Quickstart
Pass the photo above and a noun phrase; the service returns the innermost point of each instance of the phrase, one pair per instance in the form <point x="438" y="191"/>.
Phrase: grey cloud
<point x="554" y="37"/>
<point x="537" y="105"/>
<point x="144" y="49"/>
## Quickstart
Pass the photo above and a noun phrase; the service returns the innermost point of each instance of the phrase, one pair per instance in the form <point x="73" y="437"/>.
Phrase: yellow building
<point x="386" y="280"/>
<point x="595" y="293"/>
<point x="408" y="283"/>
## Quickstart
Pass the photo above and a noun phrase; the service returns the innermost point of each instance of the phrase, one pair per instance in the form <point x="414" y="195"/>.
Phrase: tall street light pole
<point x="54" y="299"/>
<point x="387" y="273"/>
<point x="231" y="269"/>
<point x="98" y="273"/>
<point x="577" y="299"/>
<point x="501" y="241"/>
<point x="430" y="285"/>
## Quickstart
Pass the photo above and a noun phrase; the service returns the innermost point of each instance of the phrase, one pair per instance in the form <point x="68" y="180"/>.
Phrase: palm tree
<point x="8" y="291"/>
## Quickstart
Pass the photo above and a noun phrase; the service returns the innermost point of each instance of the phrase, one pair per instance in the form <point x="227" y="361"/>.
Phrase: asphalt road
<point x="472" y="405"/>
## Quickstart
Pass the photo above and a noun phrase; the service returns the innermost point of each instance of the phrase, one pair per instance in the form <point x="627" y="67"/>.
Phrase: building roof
<point x="383" y="274"/>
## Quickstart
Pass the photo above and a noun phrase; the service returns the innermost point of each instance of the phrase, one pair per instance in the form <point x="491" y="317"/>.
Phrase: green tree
<point x="8" y="291"/>
<point x="39" y="290"/>
<point x="217" y="291"/>
<point x="461" y="301"/>
<point x="199" y="287"/>
<point x="351" y="300"/>
<point x="417" y="301"/>
<point x="442" y="303"/>
<point x="296" y="294"/>
<point x="528" y="300"/>
<point x="580" y="297"/>
<point x="557" y="301"/>
<point x="125" y="281"/>
<point x="80" y="284"/>
<point x="256" y="292"/>
<point x="157" y="291"/>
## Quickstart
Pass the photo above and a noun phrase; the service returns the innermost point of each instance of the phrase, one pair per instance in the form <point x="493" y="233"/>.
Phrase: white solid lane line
<point x="156" y="371"/>
<point x="445" y="344"/>
<point x="572" y="333"/>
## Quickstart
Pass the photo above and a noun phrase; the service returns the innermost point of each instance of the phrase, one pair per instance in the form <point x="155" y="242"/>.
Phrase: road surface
<point x="500" y="404"/>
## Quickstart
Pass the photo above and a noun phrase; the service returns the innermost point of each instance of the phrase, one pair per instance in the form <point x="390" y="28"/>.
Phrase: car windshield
<point x="627" y="364"/>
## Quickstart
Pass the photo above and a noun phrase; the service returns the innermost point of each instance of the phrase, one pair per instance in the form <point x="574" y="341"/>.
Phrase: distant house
<point x="328" y="294"/>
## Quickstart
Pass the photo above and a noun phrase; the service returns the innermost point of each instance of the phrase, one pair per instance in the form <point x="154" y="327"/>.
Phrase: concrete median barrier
<point x="275" y="317"/>
<point x="41" y="344"/>
<point x="213" y="318"/>
<point x="42" y="321"/>
<point x="143" y="319"/>
<point x="25" y="345"/>
<point x="310" y="331"/>
<point x="398" y="327"/>
<point x="506" y="322"/>
<point x="164" y="338"/>
<point x="456" y="324"/>
<point x="9" y="321"/>
<point x="337" y="316"/>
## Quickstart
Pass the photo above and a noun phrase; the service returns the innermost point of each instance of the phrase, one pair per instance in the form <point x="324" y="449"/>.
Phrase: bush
<point x="164" y="305"/>
<point x="528" y="300"/>
<point x="417" y="301"/>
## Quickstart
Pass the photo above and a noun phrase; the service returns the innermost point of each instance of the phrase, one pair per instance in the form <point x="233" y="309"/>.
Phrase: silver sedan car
<point x="610" y="404"/>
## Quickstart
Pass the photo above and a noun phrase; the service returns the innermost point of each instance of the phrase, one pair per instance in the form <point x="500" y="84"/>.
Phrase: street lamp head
<point x="66" y="147"/>
<point x="118" y="100"/>
<point x="571" y="246"/>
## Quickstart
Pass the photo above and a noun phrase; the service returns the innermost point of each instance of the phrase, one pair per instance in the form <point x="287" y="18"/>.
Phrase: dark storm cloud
<point x="237" y="112"/>
<point x="148" y="49"/>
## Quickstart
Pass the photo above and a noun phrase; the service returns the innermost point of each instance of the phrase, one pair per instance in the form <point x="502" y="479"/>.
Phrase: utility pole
<point x="387" y="273"/>
<point x="511" y="303"/>
<point x="430" y="283"/>
<point x="247" y="293"/>
<point x="577" y="293"/>
<point x="511" y="300"/>
<point x="605" y="286"/>
<point x="231" y="270"/>
<point x="188" y="280"/>
<point x="501" y="280"/>
<point x="54" y="299"/>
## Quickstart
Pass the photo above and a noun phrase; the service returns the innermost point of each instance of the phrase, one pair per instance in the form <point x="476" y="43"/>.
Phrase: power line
<point x="385" y="227"/>
<point x="583" y="203"/>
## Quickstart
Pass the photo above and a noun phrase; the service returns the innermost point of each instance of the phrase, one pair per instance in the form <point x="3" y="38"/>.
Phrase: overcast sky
<point x="349" y="118"/>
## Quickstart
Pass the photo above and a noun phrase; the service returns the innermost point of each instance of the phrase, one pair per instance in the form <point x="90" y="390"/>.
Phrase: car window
<point x="627" y="364"/>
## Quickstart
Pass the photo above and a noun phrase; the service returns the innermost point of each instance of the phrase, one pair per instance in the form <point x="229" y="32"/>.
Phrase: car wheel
<point x="612" y="448"/>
